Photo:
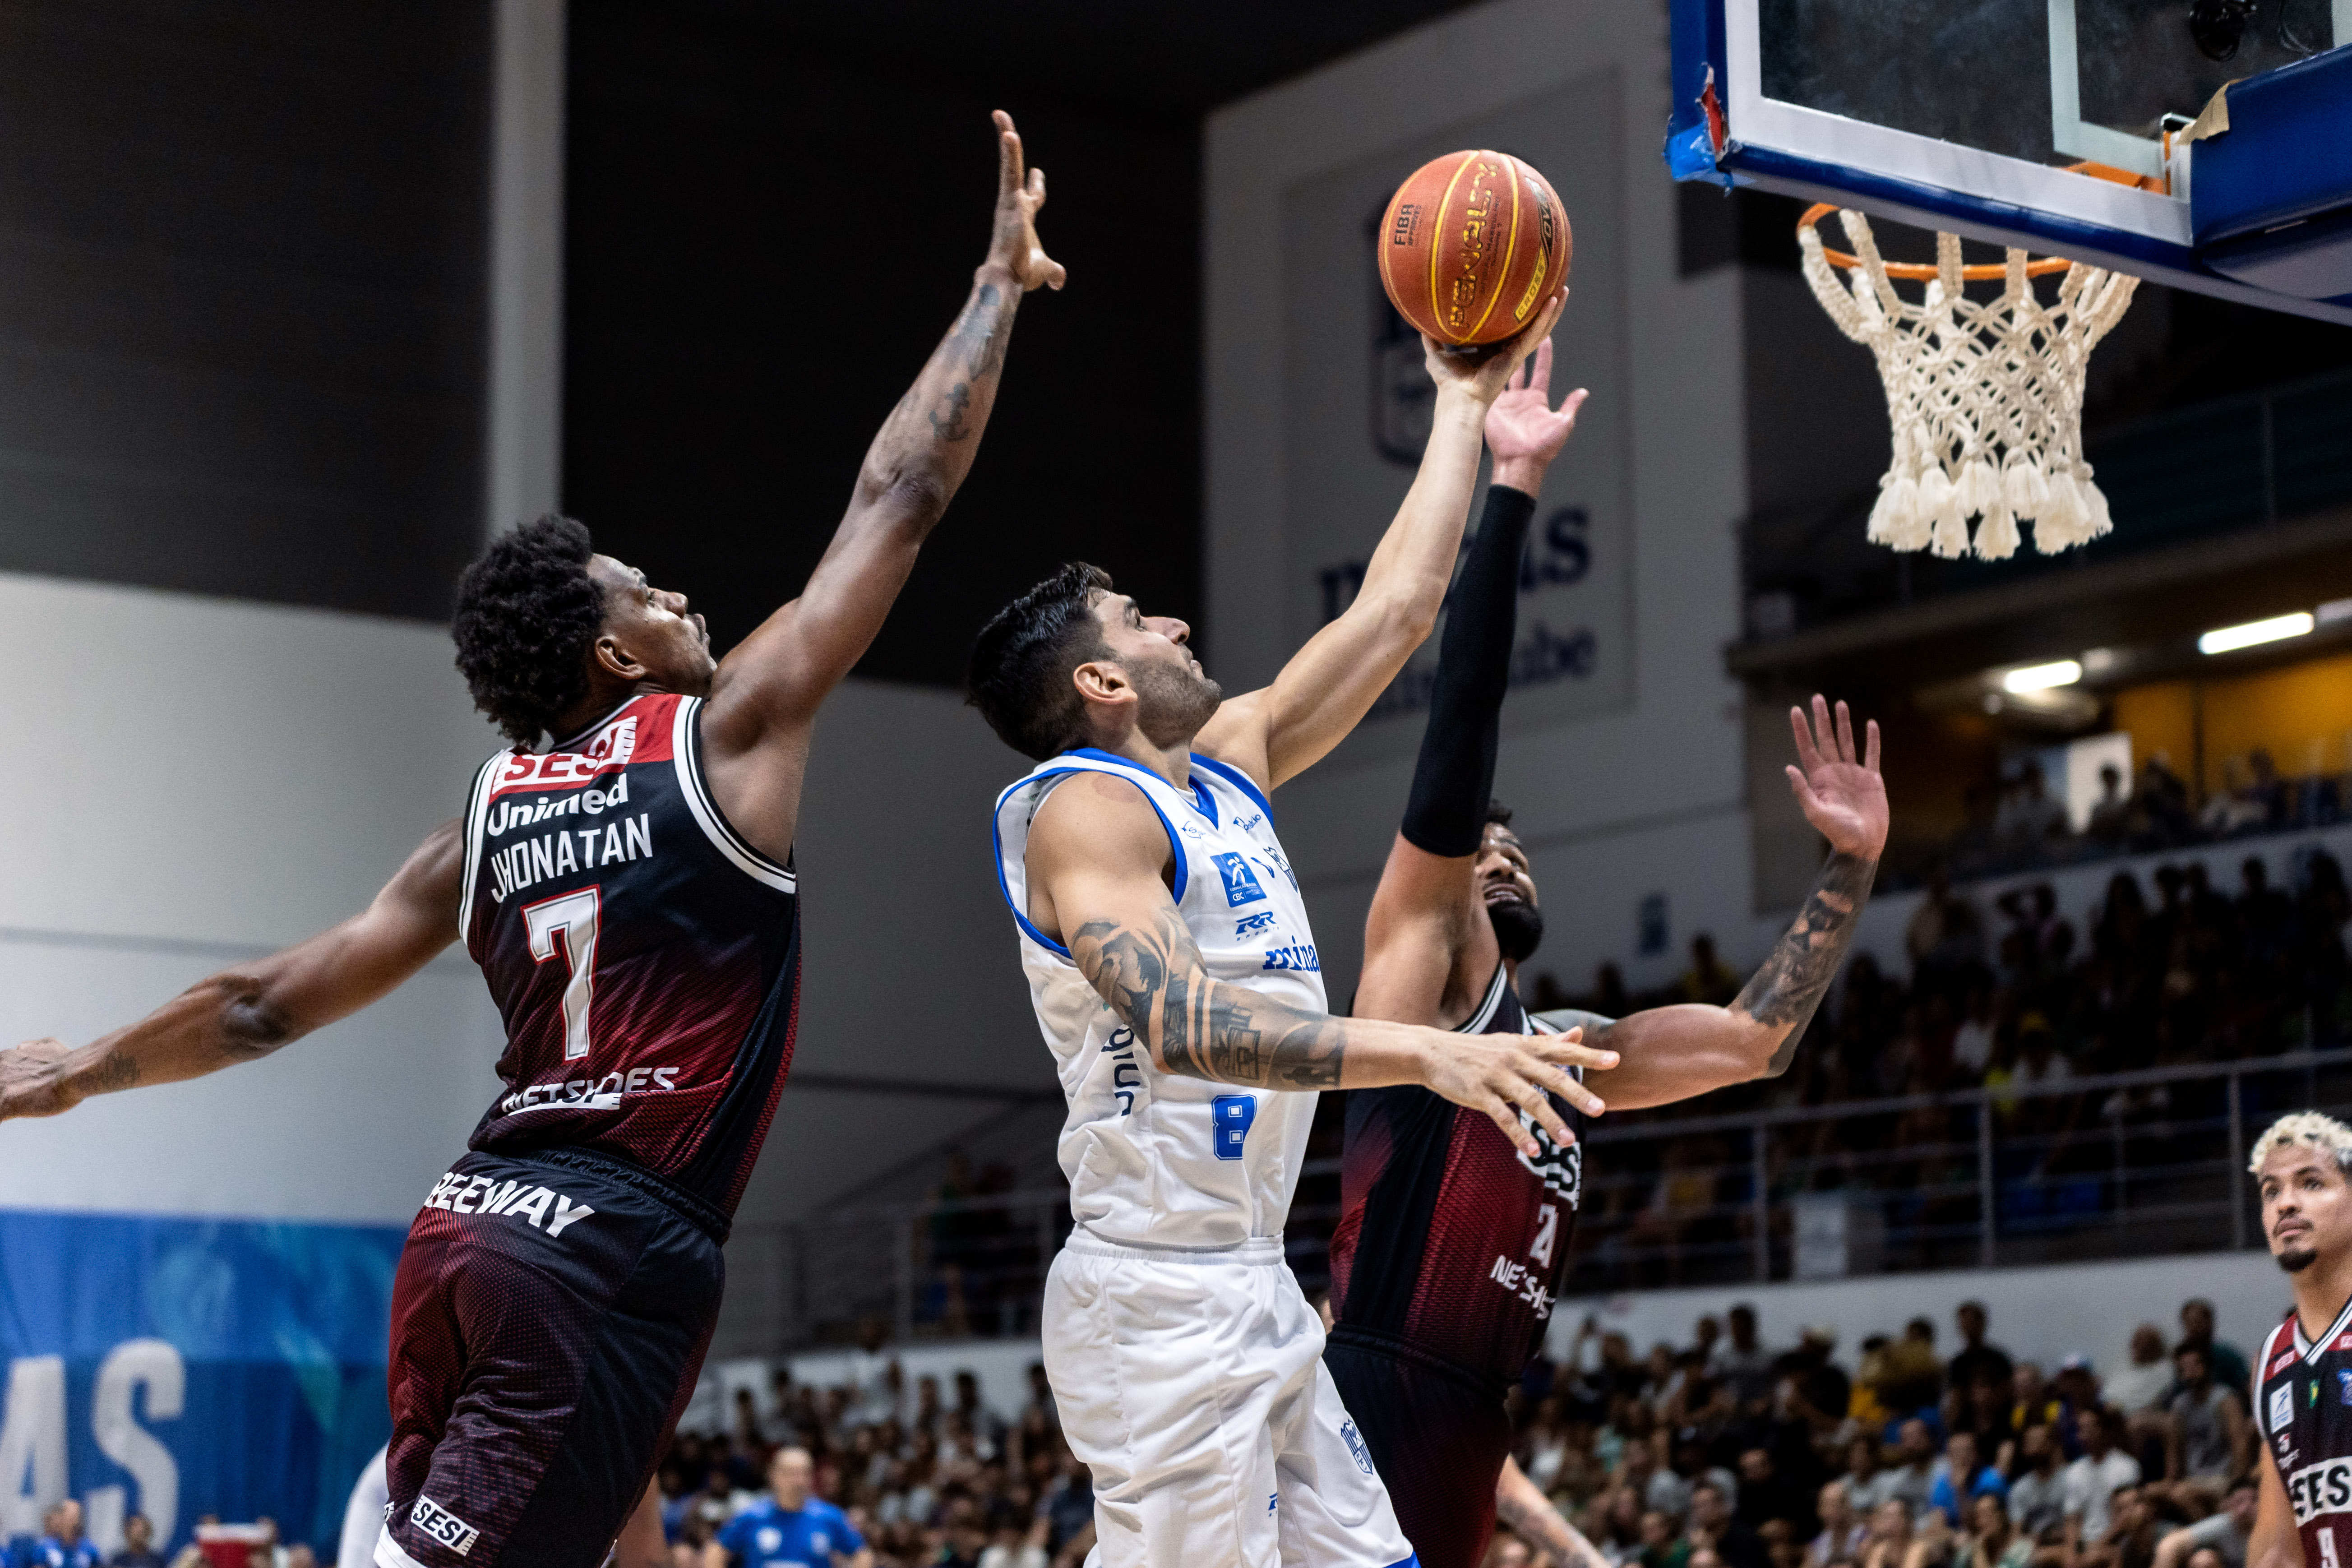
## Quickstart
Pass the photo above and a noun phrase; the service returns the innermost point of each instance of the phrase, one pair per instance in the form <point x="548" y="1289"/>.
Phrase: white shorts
<point x="1193" y="1385"/>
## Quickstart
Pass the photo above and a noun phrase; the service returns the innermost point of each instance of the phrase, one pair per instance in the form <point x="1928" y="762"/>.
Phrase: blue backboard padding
<point x="2288" y="155"/>
<point x="283" y="1329"/>
<point x="1697" y="28"/>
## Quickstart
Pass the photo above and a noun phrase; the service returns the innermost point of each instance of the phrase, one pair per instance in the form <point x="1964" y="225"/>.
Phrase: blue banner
<point x="180" y="1367"/>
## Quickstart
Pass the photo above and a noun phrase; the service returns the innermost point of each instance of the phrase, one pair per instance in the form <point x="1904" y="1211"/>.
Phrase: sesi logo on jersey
<point x="442" y="1526"/>
<point x="2320" y="1488"/>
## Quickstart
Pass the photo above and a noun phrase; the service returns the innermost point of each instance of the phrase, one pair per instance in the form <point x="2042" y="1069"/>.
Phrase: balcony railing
<point x="2121" y="1164"/>
<point x="2235" y="462"/>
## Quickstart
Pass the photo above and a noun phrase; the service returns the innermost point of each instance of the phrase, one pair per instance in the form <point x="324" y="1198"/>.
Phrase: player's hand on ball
<point x="1020" y="194"/>
<point x="1502" y="1075"/>
<point x="1484" y="372"/>
<point x="30" y="1084"/>
<point x="1839" y="793"/>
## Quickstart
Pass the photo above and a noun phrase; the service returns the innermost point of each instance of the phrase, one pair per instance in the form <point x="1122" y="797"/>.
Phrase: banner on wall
<point x="182" y="1367"/>
<point x="1356" y="405"/>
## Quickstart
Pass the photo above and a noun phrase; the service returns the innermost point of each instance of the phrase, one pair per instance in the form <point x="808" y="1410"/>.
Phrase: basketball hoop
<point x="1985" y="400"/>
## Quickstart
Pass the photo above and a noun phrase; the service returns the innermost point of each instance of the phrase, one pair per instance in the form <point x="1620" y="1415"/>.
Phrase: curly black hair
<point x="528" y="613"/>
<point x="1497" y="813"/>
<point x="1020" y="677"/>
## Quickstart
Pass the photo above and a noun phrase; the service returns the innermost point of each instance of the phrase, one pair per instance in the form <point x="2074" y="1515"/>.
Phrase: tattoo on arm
<point x="976" y="346"/>
<point x="1158" y="983"/>
<point x="1785" y="993"/>
<point x="113" y="1071"/>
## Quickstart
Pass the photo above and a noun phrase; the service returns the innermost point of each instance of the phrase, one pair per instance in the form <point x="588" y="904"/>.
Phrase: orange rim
<point x="1922" y="272"/>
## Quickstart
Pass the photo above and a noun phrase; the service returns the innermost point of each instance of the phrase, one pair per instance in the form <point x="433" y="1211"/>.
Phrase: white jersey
<point x="1158" y="1159"/>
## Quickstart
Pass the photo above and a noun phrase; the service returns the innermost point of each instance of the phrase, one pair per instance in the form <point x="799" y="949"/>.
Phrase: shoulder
<point x="1102" y="810"/>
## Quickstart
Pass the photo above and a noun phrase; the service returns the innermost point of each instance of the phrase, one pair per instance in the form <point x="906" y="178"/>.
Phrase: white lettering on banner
<point x="551" y="854"/>
<point x="32" y="1444"/>
<point x="155" y="1365"/>
<point x="2320" y="1488"/>
<point x="480" y="1196"/>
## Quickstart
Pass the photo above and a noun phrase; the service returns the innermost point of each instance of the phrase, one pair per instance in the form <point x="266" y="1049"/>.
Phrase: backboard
<point x="2089" y="129"/>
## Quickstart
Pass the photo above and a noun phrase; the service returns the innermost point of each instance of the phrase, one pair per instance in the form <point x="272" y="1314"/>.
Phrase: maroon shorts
<point x="1438" y="1436"/>
<point x="548" y="1324"/>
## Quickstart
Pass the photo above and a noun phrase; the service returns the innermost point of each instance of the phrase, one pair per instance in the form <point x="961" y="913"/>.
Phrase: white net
<point x="1985" y="399"/>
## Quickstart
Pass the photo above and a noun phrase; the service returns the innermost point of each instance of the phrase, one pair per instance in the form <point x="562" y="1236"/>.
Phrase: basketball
<point x="1471" y="247"/>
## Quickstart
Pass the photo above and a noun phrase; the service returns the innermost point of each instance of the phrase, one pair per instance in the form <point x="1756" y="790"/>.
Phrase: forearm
<point x="1414" y="564"/>
<point x="926" y="446"/>
<point x="1521" y="1505"/>
<point x="1199" y="1027"/>
<point x="1454" y="774"/>
<point x="1783" y="995"/>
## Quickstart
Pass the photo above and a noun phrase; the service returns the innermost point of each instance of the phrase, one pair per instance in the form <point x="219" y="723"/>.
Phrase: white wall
<point x="198" y="781"/>
<point x="1648" y="797"/>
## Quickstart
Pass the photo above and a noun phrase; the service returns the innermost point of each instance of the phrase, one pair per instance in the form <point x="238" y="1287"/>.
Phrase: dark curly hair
<point x="1020" y="677"/>
<point x="1497" y="813"/>
<point x="528" y="613"/>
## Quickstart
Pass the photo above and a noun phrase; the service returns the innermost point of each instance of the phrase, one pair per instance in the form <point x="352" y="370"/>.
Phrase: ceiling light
<point x="2042" y="677"/>
<point x="2225" y="638"/>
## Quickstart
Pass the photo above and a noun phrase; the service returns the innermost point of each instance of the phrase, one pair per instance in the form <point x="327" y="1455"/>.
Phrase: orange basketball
<point x="1471" y="246"/>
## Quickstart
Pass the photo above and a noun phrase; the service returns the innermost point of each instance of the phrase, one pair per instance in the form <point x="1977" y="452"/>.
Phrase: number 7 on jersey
<point x="574" y="916"/>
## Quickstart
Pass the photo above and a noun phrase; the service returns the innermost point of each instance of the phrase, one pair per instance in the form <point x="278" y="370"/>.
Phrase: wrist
<point x="998" y="272"/>
<point x="1524" y="475"/>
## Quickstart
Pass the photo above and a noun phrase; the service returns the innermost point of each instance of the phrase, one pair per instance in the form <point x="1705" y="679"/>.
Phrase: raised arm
<point x="1428" y="945"/>
<point x="1280" y="731"/>
<point x="1099" y="862"/>
<point x="774" y="679"/>
<point x="1673" y="1053"/>
<point x="243" y="1014"/>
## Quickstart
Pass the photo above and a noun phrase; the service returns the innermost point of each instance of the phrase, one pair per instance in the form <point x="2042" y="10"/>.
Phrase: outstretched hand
<point x="1841" y="793"/>
<point x="1484" y="372"/>
<point x="30" y="1084"/>
<point x="1019" y="195"/>
<point x="1505" y="1076"/>
<point x="1524" y="432"/>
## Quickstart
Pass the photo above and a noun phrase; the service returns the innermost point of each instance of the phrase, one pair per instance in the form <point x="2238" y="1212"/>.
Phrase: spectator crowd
<point x="1723" y="1453"/>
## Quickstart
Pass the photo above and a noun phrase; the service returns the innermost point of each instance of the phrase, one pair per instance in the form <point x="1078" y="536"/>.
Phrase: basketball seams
<point x="1502" y="275"/>
<point x="1437" y="242"/>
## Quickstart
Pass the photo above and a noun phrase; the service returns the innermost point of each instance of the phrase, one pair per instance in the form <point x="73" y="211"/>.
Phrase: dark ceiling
<point x="734" y="334"/>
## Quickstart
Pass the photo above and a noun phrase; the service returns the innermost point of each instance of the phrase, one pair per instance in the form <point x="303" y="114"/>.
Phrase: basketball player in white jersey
<point x="2302" y="1396"/>
<point x="1177" y="981"/>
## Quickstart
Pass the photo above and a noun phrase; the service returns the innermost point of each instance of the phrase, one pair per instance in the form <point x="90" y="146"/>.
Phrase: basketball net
<point x="1986" y="399"/>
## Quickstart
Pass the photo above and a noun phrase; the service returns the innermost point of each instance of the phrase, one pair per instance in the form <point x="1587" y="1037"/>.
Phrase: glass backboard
<point x="1980" y="119"/>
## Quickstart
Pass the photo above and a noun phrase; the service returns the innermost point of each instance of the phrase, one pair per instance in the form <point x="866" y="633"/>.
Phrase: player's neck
<point x="2320" y="1292"/>
<point x="1171" y="762"/>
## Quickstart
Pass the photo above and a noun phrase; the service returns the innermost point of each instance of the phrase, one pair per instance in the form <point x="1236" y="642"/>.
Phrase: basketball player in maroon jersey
<point x="2302" y="1393"/>
<point x="628" y="890"/>
<point x="1452" y="1243"/>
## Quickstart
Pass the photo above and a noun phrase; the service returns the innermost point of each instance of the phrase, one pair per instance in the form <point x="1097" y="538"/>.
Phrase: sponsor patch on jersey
<point x="1299" y="955"/>
<point x="1560" y="1169"/>
<point x="2281" y="1406"/>
<point x="442" y="1526"/>
<point x="1262" y="920"/>
<point x="2344" y="1385"/>
<point x="1355" y="1441"/>
<point x="2343" y="1342"/>
<point x="2319" y="1488"/>
<point x="1241" y="882"/>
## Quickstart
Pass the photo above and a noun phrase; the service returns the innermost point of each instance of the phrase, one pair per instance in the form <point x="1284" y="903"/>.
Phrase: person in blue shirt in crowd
<point x="789" y="1528"/>
<point x="138" y="1545"/>
<point x="62" y="1543"/>
<point x="1962" y="1474"/>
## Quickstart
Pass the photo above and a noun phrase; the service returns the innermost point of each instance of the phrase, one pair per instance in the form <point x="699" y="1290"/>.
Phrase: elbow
<point x="1405" y="620"/>
<point x="914" y="498"/>
<point x="253" y="1023"/>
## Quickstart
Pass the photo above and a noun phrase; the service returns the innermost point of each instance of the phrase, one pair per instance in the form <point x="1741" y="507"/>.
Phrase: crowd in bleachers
<point x="1722" y="1453"/>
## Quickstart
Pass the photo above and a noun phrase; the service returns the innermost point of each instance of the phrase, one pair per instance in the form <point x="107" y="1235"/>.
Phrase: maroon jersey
<point x="1450" y="1241"/>
<point x="2303" y="1409"/>
<point x="646" y="958"/>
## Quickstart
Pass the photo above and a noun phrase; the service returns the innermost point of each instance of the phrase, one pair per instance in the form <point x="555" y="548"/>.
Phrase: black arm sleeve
<point x="1446" y="812"/>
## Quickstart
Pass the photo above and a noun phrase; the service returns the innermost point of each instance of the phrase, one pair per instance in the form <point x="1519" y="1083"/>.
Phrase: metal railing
<point x="2118" y="1164"/>
<point x="2243" y="462"/>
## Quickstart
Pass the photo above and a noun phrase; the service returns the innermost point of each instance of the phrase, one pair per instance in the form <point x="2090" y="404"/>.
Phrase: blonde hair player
<point x="2302" y="1383"/>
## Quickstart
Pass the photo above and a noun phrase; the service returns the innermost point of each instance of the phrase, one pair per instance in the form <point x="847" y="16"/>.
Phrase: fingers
<point x="1540" y="376"/>
<point x="1803" y="788"/>
<point x="1036" y="189"/>
<point x="1503" y="1114"/>
<point x="1572" y="403"/>
<point x="1518" y="380"/>
<point x="1847" y="752"/>
<point x="1870" y="756"/>
<point x="1809" y="756"/>
<point x="1056" y="273"/>
<point x="1008" y="156"/>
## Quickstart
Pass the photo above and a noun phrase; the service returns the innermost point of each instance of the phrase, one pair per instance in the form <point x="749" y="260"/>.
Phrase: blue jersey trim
<point x="996" y="839"/>
<point x="1239" y="780"/>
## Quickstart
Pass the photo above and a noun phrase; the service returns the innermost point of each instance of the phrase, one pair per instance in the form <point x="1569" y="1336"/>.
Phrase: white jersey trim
<point x="686" y="756"/>
<point x="2308" y="1349"/>
<point x="478" y="811"/>
<point x="1477" y="1023"/>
